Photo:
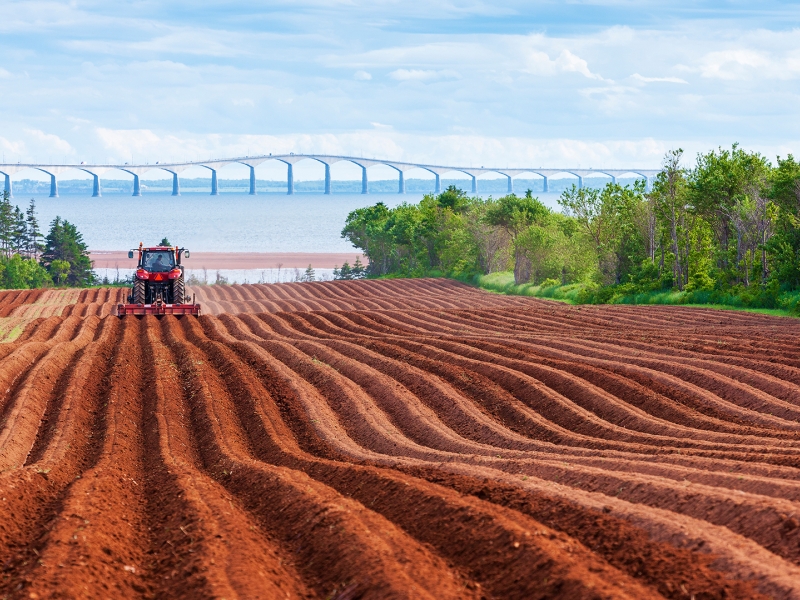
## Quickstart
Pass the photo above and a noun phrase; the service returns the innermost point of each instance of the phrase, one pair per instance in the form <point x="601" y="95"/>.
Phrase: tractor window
<point x="158" y="262"/>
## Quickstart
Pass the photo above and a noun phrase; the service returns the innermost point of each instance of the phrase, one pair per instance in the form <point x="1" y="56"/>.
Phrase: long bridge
<point x="290" y="160"/>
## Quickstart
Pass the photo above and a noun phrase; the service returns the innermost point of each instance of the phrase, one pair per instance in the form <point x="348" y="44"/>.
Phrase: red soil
<point x="396" y="439"/>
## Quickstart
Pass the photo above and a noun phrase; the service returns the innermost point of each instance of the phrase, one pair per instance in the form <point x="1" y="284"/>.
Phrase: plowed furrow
<point x="214" y="550"/>
<point x="23" y="417"/>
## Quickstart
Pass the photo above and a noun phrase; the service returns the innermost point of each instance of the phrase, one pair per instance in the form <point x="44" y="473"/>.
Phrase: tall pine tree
<point x="6" y="226"/>
<point x="33" y="246"/>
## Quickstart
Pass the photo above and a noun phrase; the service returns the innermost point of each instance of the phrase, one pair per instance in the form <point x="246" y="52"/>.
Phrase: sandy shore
<point x="111" y="259"/>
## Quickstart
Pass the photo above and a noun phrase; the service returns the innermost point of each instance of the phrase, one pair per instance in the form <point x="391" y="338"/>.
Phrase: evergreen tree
<point x="344" y="273"/>
<point x="164" y="242"/>
<point x="19" y="233"/>
<point x="310" y="274"/>
<point x="33" y="243"/>
<point x="358" y="271"/>
<point x="6" y="225"/>
<point x="65" y="243"/>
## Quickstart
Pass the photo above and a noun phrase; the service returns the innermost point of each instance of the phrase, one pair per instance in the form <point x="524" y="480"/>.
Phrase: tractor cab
<point x="158" y="260"/>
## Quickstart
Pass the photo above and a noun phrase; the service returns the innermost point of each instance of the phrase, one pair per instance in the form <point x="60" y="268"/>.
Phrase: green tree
<point x="34" y="245"/>
<point x="784" y="246"/>
<point x="164" y="242"/>
<point x="21" y="273"/>
<point x="365" y="229"/>
<point x="59" y="270"/>
<point x="515" y="215"/>
<point x="670" y="195"/>
<point x="719" y="188"/>
<point x="65" y="243"/>
<point x="6" y="225"/>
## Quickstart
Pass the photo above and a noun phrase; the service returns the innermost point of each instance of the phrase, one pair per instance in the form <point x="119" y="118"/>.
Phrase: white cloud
<point x="422" y="75"/>
<point x="4" y="74"/>
<point x="362" y="76"/>
<point x="568" y="62"/>
<point x="658" y="79"/>
<point x="50" y="142"/>
<point x="746" y="64"/>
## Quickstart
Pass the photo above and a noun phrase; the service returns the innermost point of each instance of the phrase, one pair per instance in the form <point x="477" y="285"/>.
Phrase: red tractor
<point x="158" y="284"/>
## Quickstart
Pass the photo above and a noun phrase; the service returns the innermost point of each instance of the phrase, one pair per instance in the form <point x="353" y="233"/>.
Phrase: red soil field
<point x="395" y="439"/>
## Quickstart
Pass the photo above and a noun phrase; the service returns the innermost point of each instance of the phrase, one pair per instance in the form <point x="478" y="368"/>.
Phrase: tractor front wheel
<point x="138" y="292"/>
<point x="178" y="290"/>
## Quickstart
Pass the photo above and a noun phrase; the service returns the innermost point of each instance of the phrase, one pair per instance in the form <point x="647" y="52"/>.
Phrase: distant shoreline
<point x="111" y="259"/>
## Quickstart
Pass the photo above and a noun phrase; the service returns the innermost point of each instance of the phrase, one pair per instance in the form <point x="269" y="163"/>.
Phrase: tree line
<point x="726" y="226"/>
<point x="29" y="259"/>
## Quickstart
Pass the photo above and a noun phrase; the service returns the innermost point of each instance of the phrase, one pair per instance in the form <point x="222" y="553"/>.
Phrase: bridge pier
<point x="613" y="180"/>
<point x="7" y="187"/>
<point x="364" y="182"/>
<point x="474" y="184"/>
<point x="214" y="185"/>
<point x="327" y="178"/>
<point x="253" y="180"/>
<point x="290" y="180"/>
<point x="96" y="186"/>
<point x="176" y="187"/>
<point x="402" y="185"/>
<point x="510" y="184"/>
<point x="137" y="190"/>
<point x="545" y="187"/>
<point x="438" y="189"/>
<point x="53" y="186"/>
<point x="648" y="184"/>
<point x="580" y="182"/>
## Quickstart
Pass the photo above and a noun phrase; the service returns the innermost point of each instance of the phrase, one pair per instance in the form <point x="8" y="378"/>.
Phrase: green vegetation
<point x="724" y="232"/>
<point x="26" y="262"/>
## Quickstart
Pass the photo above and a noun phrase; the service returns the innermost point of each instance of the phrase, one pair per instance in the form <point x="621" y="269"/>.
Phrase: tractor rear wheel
<point x="138" y="292"/>
<point x="178" y="290"/>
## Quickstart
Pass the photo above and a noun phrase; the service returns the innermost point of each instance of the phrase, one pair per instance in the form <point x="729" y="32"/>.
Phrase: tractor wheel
<point x="138" y="292"/>
<point x="178" y="290"/>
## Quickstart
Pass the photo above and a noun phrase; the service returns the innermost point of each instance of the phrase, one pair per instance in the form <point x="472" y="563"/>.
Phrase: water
<point x="210" y="276"/>
<point x="230" y="222"/>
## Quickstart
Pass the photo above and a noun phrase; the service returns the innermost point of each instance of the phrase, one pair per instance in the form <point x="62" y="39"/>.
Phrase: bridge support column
<point x="648" y="184"/>
<point x="53" y="187"/>
<point x="327" y="179"/>
<point x="96" y="186"/>
<point x="290" y="180"/>
<point x="510" y="184"/>
<point x="402" y="185"/>
<point x="474" y="184"/>
<point x="7" y="187"/>
<point x="613" y="180"/>
<point x="214" y="185"/>
<point x="364" y="181"/>
<point x="137" y="190"/>
<point x="438" y="184"/>
<point x="580" y="183"/>
<point x="545" y="187"/>
<point x="252" y="180"/>
<point x="176" y="188"/>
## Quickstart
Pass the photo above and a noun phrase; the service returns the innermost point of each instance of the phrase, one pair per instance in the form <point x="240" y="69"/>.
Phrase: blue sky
<point x="507" y="83"/>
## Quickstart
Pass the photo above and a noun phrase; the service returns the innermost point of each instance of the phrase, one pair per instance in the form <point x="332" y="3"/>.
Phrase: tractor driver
<point x="158" y="263"/>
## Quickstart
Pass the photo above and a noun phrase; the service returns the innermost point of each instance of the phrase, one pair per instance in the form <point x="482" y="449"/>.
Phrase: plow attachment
<point x="158" y="309"/>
